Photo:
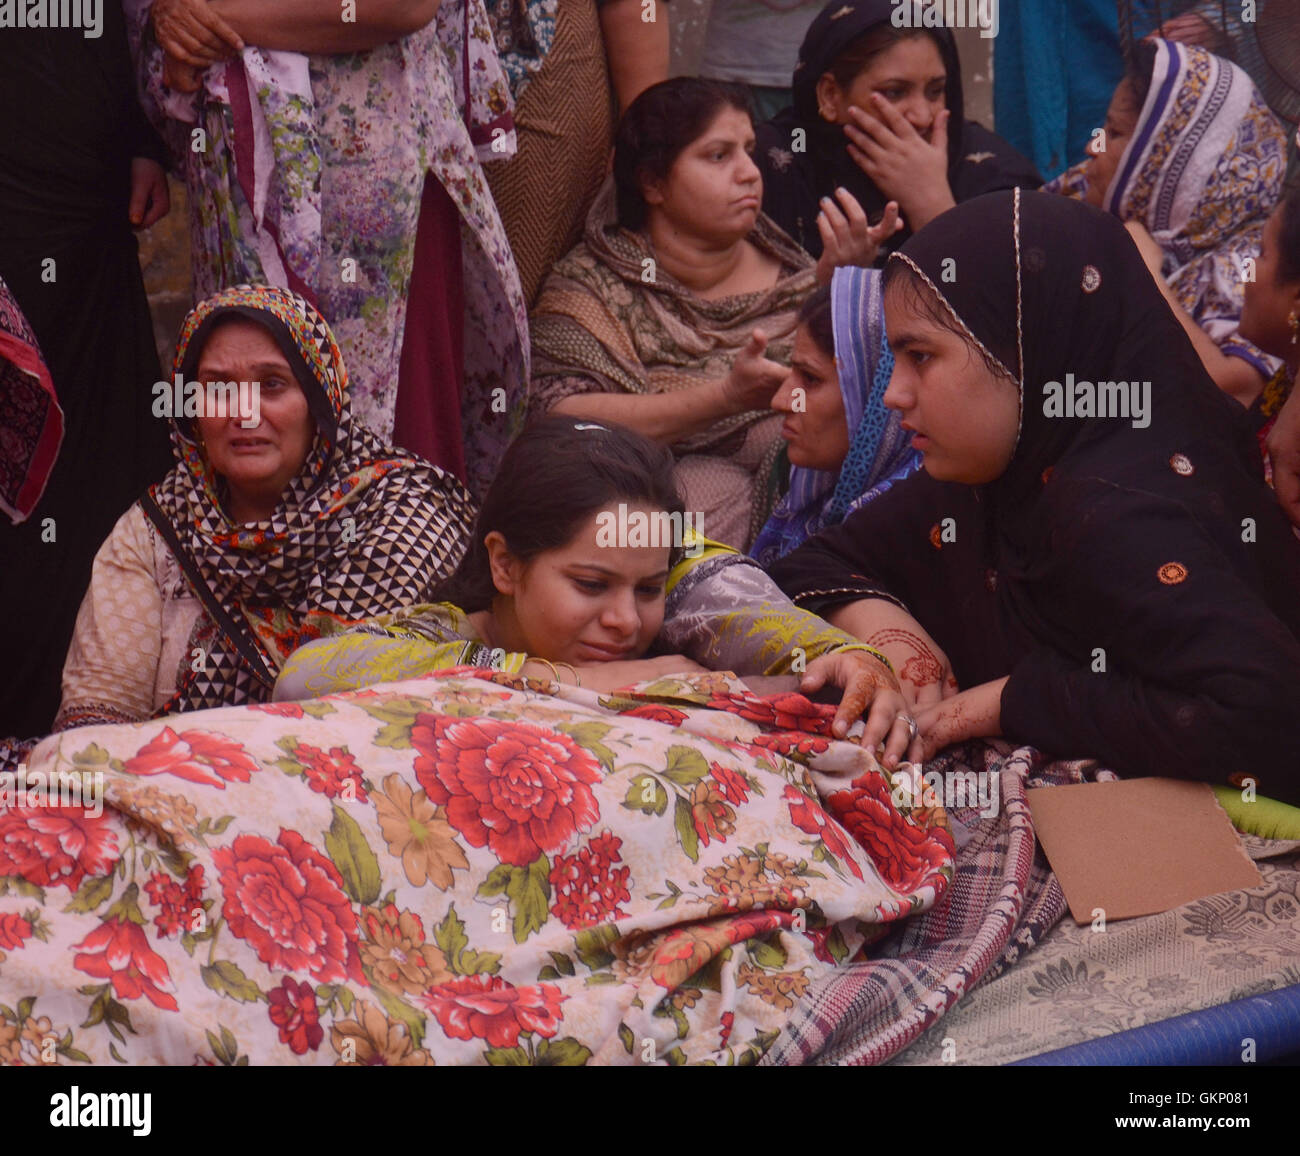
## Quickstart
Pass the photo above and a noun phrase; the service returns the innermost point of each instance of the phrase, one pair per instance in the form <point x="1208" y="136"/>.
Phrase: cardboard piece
<point x="1138" y="846"/>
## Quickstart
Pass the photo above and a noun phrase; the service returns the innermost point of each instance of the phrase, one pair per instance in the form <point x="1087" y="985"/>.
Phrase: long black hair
<point x="553" y="477"/>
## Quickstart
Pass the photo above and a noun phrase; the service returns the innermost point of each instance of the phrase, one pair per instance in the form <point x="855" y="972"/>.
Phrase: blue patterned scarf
<point x="879" y="451"/>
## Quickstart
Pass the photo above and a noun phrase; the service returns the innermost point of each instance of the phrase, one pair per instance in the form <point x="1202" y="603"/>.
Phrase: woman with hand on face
<point x="1116" y="586"/>
<point x="549" y="589"/>
<point x="282" y="521"/>
<point x="673" y="316"/>
<point x="1271" y="319"/>
<point x="876" y="129"/>
<point x="846" y="448"/>
<point x="1192" y="160"/>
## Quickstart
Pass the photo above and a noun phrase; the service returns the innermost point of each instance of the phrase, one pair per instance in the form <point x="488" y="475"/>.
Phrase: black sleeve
<point x="1178" y="667"/>
<point x="877" y="550"/>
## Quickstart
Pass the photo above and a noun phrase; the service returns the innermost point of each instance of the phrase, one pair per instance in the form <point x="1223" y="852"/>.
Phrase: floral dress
<point x="306" y="171"/>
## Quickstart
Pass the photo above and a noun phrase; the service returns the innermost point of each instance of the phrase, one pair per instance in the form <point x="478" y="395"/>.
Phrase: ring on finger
<point x="912" y="728"/>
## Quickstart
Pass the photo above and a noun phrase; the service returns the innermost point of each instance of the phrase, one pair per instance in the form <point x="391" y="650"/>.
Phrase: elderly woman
<point x="280" y="523"/>
<point x="674" y="315"/>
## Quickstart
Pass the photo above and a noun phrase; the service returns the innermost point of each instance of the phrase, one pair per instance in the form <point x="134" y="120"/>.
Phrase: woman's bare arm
<point x="319" y="25"/>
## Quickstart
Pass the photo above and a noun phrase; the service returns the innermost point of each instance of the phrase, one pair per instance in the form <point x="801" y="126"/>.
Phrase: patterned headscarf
<point x="1203" y="171"/>
<point x="879" y="451"/>
<point x="363" y="528"/>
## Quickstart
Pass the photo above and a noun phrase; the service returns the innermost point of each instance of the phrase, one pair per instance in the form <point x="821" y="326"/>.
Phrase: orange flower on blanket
<point x="330" y="774"/>
<point x="198" y="756"/>
<point x="486" y="1007"/>
<point x="712" y="816"/>
<point x="418" y="834"/>
<point x="684" y="950"/>
<point x="775" y="989"/>
<point x="293" y="1010"/>
<point x="39" y="1040"/>
<point x="523" y="791"/>
<point x="118" y="950"/>
<point x="285" y="900"/>
<point x="373" y="1038"/>
<point x="11" y="1045"/>
<point x="56" y="846"/>
<point x="905" y="855"/>
<point x="396" y="953"/>
<point x="808" y="816"/>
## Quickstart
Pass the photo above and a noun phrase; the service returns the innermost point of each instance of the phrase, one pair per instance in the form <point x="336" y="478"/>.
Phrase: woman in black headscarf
<point x="877" y="112"/>
<point x="1091" y="541"/>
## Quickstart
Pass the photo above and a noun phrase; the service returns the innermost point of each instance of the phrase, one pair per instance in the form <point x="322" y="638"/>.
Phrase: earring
<point x="1294" y="321"/>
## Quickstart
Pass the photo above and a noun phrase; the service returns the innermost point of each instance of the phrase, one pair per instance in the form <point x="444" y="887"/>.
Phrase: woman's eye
<point x="892" y="94"/>
<point x="590" y="585"/>
<point x="918" y="357"/>
<point x="650" y="591"/>
<point x="937" y="91"/>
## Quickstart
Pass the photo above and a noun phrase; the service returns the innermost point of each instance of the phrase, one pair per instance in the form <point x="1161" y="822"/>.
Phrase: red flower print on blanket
<point x="653" y="710"/>
<point x="118" y="950"/>
<point x="808" y="816"/>
<point x="522" y="790"/>
<point x="293" y="1010"/>
<point x="182" y="904"/>
<point x="330" y="773"/>
<point x="590" y="885"/>
<point x="488" y="1008"/>
<point x="194" y="755"/>
<point x="13" y="930"/>
<point x="905" y="855"/>
<point x="56" y="846"/>
<point x="285" y="899"/>
<point x="786" y="712"/>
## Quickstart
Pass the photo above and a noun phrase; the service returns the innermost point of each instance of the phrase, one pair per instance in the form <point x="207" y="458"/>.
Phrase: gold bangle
<point x="555" y="674"/>
<point x="577" y="679"/>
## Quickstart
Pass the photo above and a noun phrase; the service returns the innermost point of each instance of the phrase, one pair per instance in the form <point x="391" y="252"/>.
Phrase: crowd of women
<point x="831" y="339"/>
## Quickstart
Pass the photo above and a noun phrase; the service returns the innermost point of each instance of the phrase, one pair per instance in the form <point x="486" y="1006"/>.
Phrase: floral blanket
<point x="459" y="869"/>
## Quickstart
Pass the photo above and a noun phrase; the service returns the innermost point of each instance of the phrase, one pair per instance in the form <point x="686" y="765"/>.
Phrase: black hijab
<point x="1073" y="293"/>
<point x="1138" y="585"/>
<point x="794" y="182"/>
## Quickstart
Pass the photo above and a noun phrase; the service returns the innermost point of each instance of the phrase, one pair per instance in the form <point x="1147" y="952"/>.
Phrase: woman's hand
<point x="923" y="669"/>
<point x="847" y="239"/>
<point x="181" y="77"/>
<point x="1283" y="445"/>
<point x="149" y="197"/>
<point x="866" y="681"/>
<point x="972" y="714"/>
<point x="899" y="160"/>
<point x="193" y="32"/>
<point x="754" y="379"/>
